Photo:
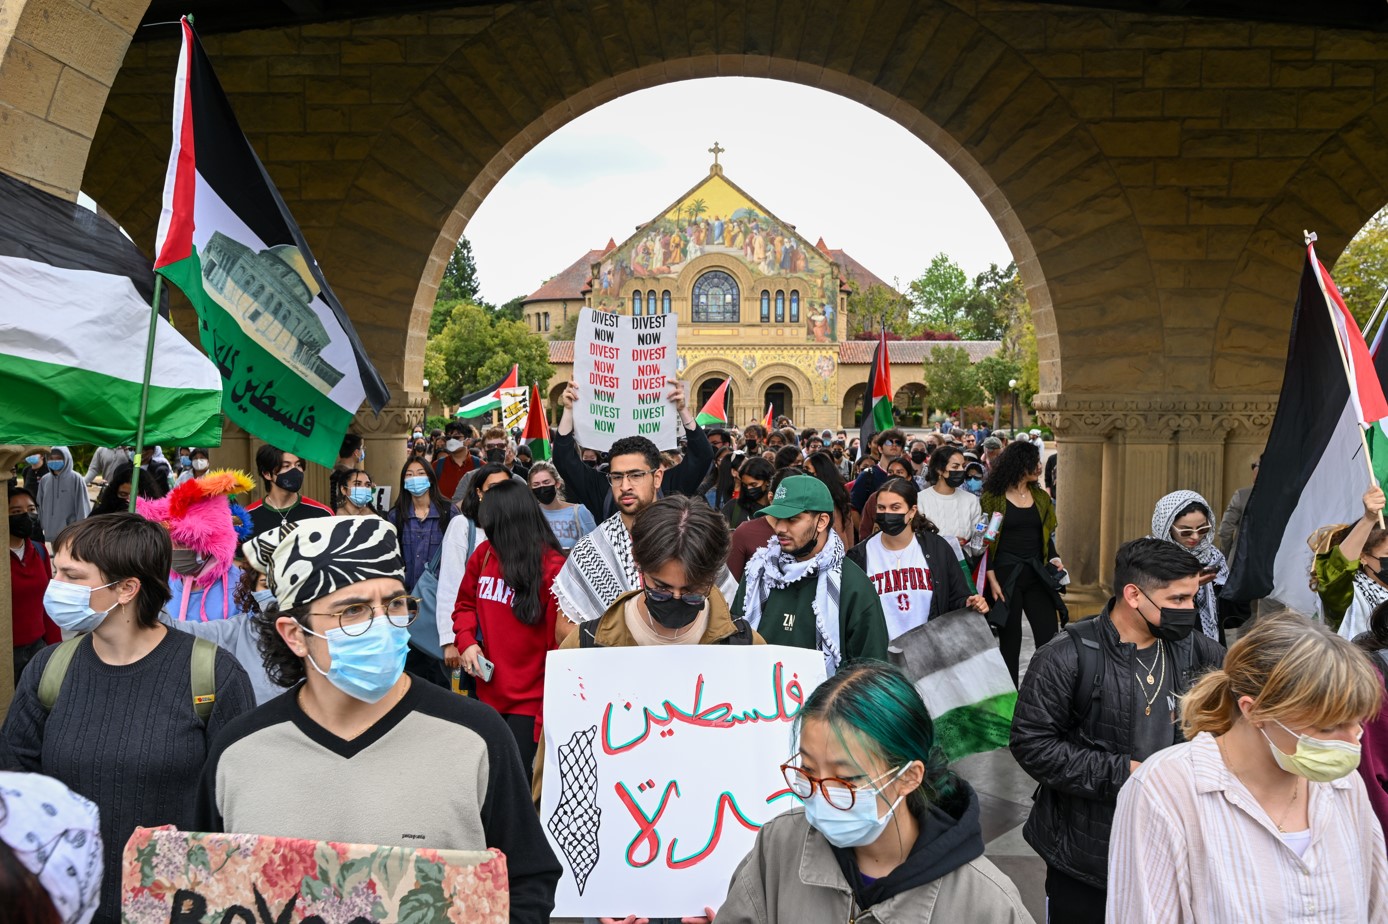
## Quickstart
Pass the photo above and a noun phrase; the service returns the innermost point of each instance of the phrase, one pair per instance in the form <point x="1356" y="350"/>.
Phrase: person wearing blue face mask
<point x="973" y="478"/>
<point x="354" y="493"/>
<point x="887" y="831"/>
<point x="62" y="493"/>
<point x="336" y="634"/>
<point x="111" y="713"/>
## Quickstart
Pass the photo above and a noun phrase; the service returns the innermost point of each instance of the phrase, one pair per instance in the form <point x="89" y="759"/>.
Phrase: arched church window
<point x="636" y="303"/>
<point x="780" y="307"/>
<point x="650" y="302"/>
<point x="765" y="306"/>
<point x="716" y="298"/>
<point x="795" y="306"/>
<point x="665" y="302"/>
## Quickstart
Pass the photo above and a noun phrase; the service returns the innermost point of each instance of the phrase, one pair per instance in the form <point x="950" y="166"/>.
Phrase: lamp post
<point x="1012" y="387"/>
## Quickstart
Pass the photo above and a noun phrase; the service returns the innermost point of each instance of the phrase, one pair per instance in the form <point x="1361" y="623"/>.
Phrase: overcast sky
<point x="824" y="163"/>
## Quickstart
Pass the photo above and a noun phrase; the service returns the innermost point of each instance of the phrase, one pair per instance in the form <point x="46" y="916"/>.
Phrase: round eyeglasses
<point x="356" y="618"/>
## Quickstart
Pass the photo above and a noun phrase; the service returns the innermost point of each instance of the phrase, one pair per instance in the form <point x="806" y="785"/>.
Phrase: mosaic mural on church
<point x="716" y="218"/>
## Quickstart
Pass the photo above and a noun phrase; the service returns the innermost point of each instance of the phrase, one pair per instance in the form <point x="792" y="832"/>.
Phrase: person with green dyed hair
<point x="887" y="831"/>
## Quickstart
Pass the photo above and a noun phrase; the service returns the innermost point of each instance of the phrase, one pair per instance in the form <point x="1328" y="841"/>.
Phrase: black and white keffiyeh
<point x="771" y="569"/>
<point x="1368" y="594"/>
<point x="326" y="554"/>
<point x="1164" y="517"/>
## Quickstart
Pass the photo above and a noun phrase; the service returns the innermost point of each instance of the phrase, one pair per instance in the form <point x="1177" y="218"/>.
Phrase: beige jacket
<point x="791" y="877"/>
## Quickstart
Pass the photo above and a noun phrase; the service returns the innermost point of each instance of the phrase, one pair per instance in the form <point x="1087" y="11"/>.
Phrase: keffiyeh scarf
<point x="1207" y="598"/>
<point x="771" y="569"/>
<point x="1368" y="594"/>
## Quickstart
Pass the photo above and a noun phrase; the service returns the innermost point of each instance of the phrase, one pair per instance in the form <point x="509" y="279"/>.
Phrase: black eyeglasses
<point x="357" y="618"/>
<point x="664" y="596"/>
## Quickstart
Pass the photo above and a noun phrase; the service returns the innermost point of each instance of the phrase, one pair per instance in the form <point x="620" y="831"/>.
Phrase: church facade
<point x="757" y="304"/>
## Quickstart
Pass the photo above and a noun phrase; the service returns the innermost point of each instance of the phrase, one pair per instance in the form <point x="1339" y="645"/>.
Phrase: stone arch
<point x="802" y="392"/>
<point x="852" y="404"/>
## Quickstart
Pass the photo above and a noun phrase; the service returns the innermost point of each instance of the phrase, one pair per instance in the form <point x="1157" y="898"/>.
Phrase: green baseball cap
<point x="797" y="494"/>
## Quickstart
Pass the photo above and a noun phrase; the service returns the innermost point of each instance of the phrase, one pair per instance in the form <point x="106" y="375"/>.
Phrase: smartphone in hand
<point x="484" y="668"/>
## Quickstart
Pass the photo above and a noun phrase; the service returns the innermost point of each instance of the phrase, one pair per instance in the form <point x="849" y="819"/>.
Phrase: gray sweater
<point x="62" y="498"/>
<point x="125" y="737"/>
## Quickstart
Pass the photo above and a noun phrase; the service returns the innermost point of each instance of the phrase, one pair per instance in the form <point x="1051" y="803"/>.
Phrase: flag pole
<point x="144" y="386"/>
<point x="1344" y="364"/>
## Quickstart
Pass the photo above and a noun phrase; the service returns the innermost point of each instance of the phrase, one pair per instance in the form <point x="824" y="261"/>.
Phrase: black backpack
<point x="742" y="634"/>
<point x="1090" y="676"/>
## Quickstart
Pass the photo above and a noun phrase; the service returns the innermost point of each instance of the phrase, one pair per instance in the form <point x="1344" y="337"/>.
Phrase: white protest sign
<point x="623" y="367"/>
<point x="515" y="405"/>
<point x="661" y="763"/>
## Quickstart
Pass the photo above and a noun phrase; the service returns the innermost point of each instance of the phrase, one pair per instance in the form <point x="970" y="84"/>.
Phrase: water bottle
<point x="994" y="525"/>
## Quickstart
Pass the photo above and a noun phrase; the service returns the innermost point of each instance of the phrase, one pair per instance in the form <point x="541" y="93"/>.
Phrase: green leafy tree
<point x="867" y="308"/>
<point x="993" y="297"/>
<point x="1361" y="273"/>
<point x="474" y="349"/>
<point x="994" y="375"/>
<point x="950" y="378"/>
<point x="513" y="310"/>
<point x="938" y="296"/>
<point x="567" y="329"/>
<point x="459" y="282"/>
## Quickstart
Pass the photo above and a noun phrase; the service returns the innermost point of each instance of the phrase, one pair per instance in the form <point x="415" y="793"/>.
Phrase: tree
<point x="993" y="297"/>
<point x="867" y="308"/>
<point x="1361" y="273"/>
<point x="473" y="349"/>
<point x="513" y="310"/>
<point x="459" y="282"/>
<point x="994" y="375"/>
<point x="937" y="297"/>
<point x="567" y="329"/>
<point x="950" y="378"/>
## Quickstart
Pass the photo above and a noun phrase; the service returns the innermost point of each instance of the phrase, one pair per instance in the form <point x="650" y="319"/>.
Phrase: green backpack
<point x="204" y="667"/>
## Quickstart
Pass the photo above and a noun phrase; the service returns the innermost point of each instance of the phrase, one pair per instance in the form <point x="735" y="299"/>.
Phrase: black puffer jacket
<point x="1082" y="766"/>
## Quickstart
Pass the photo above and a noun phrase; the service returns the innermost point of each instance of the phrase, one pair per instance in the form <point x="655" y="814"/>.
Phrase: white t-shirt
<point x="903" y="583"/>
<point x="954" y="514"/>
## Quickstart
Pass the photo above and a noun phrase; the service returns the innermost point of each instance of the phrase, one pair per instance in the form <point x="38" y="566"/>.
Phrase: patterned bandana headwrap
<point x="327" y="554"/>
<point x="55" y="833"/>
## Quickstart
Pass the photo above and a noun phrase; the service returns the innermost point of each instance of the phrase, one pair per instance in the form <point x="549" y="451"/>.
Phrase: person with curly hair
<point x="336" y="633"/>
<point x="1018" y="556"/>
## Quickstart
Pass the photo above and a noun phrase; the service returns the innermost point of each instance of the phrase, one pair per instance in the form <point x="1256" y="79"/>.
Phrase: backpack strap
<point x="1090" y="674"/>
<point x="55" y="671"/>
<point x="204" y="671"/>
<point x="588" y="634"/>
<point x="742" y="633"/>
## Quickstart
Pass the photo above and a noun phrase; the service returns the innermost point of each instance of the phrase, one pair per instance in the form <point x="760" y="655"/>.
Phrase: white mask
<point x="199" y="465"/>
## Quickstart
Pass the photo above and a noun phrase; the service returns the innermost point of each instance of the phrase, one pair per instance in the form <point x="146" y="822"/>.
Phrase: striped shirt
<point x="1190" y="844"/>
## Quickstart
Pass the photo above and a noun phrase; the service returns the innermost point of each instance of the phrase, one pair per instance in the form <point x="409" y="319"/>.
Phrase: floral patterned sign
<point x="176" y="877"/>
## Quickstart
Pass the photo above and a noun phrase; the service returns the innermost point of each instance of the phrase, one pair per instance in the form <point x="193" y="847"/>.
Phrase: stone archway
<point x="852" y="406"/>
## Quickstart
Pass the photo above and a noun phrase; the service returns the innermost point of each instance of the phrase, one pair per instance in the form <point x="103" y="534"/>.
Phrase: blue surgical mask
<point x="417" y="485"/>
<point x="263" y="599"/>
<point x="853" y="827"/>
<point x="973" y="485"/>
<point x="185" y="461"/>
<point x="70" y="606"/>
<point x="365" y="666"/>
<point x="362" y="497"/>
<point x="56" y="465"/>
<point x="34" y="461"/>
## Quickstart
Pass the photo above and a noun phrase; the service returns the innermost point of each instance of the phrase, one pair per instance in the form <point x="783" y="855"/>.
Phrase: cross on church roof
<point x="715" y="151"/>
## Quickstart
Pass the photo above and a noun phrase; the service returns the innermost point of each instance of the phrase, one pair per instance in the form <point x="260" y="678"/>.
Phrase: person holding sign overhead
<point x="586" y="485"/>
<point x="888" y="832"/>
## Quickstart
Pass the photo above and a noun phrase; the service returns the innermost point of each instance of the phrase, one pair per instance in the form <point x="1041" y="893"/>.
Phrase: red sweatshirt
<point x="29" y="577"/>
<point x="1373" y="763"/>
<point x="518" y="651"/>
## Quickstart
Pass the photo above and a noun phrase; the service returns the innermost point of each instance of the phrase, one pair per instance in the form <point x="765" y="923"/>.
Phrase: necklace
<point x="1150" y="670"/>
<point x="1296" y="788"/>
<point x="1161" y="656"/>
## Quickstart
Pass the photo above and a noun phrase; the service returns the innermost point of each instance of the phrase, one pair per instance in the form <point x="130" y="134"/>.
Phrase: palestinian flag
<point x="75" y="299"/>
<point x="536" y="431"/>
<point x="486" y="400"/>
<point x="1365" y="390"/>
<point x="955" y="664"/>
<point x="715" y="411"/>
<point x="877" y="398"/>
<point x="770" y="422"/>
<point x="1313" y="473"/>
<point x="294" y="372"/>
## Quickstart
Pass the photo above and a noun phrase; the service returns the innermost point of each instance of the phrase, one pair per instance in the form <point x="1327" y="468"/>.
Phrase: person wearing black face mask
<point x="1132" y="663"/>
<point x="913" y="569"/>
<point x="945" y="502"/>
<point x="753" y="479"/>
<point x="30" y="572"/>
<point x="282" y="476"/>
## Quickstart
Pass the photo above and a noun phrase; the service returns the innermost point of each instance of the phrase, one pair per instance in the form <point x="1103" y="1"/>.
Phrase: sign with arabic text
<point x="660" y="766"/>
<point x="623" y="368"/>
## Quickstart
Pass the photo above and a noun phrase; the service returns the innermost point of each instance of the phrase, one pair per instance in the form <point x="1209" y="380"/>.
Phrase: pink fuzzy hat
<point x="198" y="516"/>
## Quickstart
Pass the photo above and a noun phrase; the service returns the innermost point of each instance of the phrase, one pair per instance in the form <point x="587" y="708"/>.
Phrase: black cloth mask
<point x="546" y="494"/>
<point x="673" y="613"/>
<point x="752" y="495"/>
<point x="290" y="481"/>
<point x="956" y="479"/>
<point x="918" y="456"/>
<point x="891" y="523"/>
<point x="496" y="456"/>
<point x="1176" y="624"/>
<point x="22" y="525"/>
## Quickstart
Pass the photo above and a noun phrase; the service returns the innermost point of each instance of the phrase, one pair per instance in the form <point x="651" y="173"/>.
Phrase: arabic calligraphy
<point x="788" y="697"/>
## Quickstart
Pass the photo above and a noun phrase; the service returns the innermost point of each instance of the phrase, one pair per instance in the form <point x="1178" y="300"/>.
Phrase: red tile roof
<point x="572" y="283"/>
<point x="561" y="351"/>
<point x="859" y="352"/>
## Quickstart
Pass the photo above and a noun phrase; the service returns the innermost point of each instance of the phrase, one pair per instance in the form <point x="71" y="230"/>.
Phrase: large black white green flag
<point x="293" y="370"/>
